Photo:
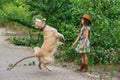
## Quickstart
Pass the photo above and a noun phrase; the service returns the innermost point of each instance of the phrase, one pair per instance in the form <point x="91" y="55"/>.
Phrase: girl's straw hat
<point x="87" y="16"/>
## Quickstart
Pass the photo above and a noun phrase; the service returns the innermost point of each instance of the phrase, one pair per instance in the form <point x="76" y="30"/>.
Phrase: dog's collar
<point x="41" y="29"/>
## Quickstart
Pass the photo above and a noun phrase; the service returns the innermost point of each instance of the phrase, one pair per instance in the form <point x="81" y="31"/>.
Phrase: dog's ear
<point x="44" y="19"/>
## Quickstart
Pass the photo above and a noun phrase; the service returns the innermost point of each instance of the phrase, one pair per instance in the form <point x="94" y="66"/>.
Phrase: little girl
<point x="83" y="46"/>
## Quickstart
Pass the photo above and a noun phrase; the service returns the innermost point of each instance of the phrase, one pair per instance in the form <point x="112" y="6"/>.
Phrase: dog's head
<point x="39" y="23"/>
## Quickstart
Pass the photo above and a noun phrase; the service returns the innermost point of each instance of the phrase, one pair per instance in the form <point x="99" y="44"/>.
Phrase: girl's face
<point x="82" y="21"/>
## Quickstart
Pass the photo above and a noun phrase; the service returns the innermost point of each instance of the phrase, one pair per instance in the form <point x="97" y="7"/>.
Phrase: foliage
<point x="17" y="11"/>
<point x="27" y="41"/>
<point x="65" y="16"/>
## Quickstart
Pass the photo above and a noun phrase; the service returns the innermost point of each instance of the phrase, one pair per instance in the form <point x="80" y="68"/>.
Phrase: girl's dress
<point x="82" y="38"/>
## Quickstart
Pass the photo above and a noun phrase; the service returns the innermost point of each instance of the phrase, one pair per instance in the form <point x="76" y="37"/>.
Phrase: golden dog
<point x="45" y="53"/>
<point x="51" y="36"/>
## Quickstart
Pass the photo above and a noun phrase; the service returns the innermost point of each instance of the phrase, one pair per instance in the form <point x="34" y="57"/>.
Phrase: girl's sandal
<point x="85" y="69"/>
<point x="81" y="68"/>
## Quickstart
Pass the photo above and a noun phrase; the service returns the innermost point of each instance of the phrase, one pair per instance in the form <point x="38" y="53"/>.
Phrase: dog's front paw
<point x="63" y="38"/>
<point x="60" y="43"/>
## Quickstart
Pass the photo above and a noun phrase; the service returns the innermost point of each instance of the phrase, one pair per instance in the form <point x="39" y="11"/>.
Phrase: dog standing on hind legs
<point x="49" y="46"/>
<point x="51" y="36"/>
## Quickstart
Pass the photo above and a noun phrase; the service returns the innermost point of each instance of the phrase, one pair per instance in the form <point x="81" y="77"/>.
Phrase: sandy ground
<point x="10" y="54"/>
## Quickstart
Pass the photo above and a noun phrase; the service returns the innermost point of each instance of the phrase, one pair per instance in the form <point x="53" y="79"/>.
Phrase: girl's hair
<point x="86" y="22"/>
<point x="81" y="25"/>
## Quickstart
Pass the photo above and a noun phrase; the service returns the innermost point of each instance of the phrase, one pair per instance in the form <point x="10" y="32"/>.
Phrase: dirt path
<point x="10" y="54"/>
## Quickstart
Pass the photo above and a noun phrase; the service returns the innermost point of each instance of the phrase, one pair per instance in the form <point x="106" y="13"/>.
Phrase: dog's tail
<point x="19" y="62"/>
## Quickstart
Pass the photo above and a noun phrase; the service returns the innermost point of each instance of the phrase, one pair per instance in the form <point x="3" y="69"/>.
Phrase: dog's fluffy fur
<point x="51" y="36"/>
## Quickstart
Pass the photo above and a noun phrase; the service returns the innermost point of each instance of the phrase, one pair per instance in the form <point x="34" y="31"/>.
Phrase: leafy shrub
<point x="65" y="15"/>
<point x="26" y="41"/>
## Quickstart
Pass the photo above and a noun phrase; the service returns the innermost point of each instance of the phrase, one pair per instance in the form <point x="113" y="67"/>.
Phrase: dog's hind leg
<point x="39" y="65"/>
<point x="46" y="66"/>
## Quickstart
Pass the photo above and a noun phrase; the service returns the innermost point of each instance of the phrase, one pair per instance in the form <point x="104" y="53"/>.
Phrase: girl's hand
<point x="73" y="45"/>
<point x="81" y="47"/>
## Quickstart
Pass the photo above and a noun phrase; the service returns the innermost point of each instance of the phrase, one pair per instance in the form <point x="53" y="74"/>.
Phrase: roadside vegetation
<point x="65" y="15"/>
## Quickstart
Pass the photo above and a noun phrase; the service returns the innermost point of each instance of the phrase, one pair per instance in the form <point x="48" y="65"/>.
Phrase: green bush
<point x="65" y="15"/>
<point x="26" y="41"/>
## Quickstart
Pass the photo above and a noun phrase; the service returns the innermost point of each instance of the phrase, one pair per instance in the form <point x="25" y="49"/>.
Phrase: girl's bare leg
<point x="82" y="59"/>
<point x="82" y="62"/>
<point x="85" y="59"/>
<point x="85" y="62"/>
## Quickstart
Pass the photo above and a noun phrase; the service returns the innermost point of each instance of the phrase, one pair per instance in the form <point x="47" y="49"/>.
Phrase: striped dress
<point x="82" y="38"/>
